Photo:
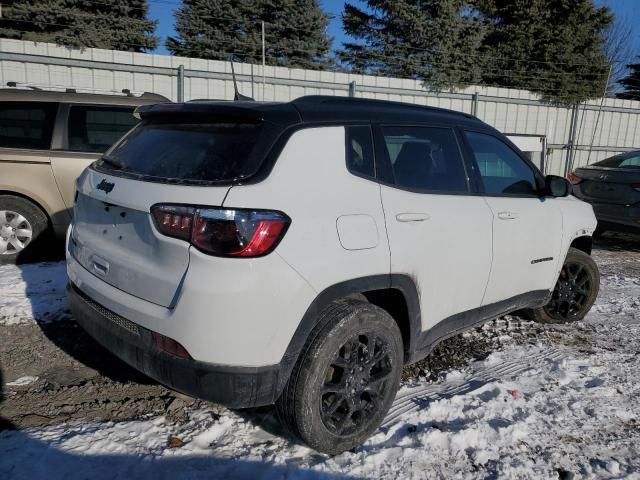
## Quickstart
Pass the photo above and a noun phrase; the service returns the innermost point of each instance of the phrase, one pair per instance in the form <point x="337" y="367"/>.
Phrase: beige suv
<point x="47" y="139"/>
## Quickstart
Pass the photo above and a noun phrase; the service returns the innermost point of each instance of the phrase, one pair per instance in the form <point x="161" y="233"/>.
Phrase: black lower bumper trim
<point x="235" y="387"/>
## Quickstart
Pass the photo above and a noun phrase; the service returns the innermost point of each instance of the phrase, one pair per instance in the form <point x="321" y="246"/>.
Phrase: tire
<point x="575" y="291"/>
<point x="326" y="367"/>
<point x="19" y="217"/>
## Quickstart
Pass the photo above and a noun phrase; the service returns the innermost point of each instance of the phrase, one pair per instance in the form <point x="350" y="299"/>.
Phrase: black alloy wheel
<point x="571" y="292"/>
<point x="346" y="377"/>
<point x="574" y="293"/>
<point x="355" y="382"/>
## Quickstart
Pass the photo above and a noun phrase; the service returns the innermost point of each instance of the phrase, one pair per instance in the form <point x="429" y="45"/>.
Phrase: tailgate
<point x="115" y="239"/>
<point x="607" y="185"/>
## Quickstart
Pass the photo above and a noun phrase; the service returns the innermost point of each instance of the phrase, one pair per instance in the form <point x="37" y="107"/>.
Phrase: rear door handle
<point x="507" y="215"/>
<point x="412" y="217"/>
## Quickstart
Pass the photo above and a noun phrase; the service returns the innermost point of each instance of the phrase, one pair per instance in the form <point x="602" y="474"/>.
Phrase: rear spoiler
<point x="239" y="111"/>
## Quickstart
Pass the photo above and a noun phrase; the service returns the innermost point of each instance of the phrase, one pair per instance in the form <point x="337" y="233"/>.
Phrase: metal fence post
<point x="181" y="83"/>
<point x="474" y="104"/>
<point x="253" y="95"/>
<point x="572" y="138"/>
<point x="352" y="89"/>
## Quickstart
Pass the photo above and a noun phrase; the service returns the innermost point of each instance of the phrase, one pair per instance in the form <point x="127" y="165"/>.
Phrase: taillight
<point x="173" y="221"/>
<point x="574" y="179"/>
<point x="237" y="233"/>
<point x="636" y="186"/>
<point x="223" y="232"/>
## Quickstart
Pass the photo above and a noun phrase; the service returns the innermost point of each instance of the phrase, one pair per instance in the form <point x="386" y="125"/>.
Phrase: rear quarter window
<point x="360" y="159"/>
<point x="27" y="124"/>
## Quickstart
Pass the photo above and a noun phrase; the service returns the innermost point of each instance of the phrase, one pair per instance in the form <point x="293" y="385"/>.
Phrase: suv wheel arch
<point x="395" y="293"/>
<point x="583" y="243"/>
<point x="30" y="198"/>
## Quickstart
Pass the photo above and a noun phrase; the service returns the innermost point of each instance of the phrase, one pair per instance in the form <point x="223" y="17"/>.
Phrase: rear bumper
<point x="623" y="215"/>
<point x="235" y="387"/>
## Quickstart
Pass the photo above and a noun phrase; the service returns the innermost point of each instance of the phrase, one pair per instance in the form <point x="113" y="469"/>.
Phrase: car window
<point x="502" y="170"/>
<point x="190" y="151"/>
<point x="96" y="128"/>
<point x="360" y="151"/>
<point x="27" y="124"/>
<point x="627" y="160"/>
<point x="424" y="158"/>
<point x="631" y="162"/>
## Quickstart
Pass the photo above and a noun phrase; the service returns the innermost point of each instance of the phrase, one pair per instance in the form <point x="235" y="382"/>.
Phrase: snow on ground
<point x="22" y="381"/>
<point x="567" y="404"/>
<point x="33" y="292"/>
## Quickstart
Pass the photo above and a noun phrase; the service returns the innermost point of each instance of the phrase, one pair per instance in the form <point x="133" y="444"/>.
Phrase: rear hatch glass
<point x="190" y="152"/>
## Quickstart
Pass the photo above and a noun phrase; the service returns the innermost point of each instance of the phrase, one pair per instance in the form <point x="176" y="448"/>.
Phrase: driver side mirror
<point x="556" y="186"/>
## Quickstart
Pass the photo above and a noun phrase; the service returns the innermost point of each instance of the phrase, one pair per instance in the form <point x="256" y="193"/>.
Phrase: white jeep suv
<point x="301" y="253"/>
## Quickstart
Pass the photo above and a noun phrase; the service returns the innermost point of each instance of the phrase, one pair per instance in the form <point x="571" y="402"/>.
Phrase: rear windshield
<point x="189" y="152"/>
<point x="621" y="161"/>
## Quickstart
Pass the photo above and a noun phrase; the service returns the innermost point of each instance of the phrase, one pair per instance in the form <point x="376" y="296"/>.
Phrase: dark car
<point x="612" y="186"/>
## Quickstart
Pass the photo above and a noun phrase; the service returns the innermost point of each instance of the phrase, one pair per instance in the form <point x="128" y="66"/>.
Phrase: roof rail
<point x="89" y="91"/>
<point x="15" y="84"/>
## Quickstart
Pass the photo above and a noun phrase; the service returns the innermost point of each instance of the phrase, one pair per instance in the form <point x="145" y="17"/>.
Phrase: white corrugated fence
<point x="521" y="114"/>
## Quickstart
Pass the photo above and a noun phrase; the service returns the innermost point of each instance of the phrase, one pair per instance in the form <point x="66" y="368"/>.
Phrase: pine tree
<point x="295" y="31"/>
<point x="631" y="83"/>
<point x="110" y="24"/>
<point x="554" y="47"/>
<point x="426" y="39"/>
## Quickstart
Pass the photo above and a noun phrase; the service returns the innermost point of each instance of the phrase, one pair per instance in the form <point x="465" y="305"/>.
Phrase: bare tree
<point x="618" y="47"/>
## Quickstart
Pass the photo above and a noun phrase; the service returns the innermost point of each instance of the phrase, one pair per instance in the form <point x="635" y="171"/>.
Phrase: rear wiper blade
<point x="112" y="161"/>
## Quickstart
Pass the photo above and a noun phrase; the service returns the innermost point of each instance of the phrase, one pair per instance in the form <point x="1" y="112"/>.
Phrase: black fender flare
<point x="403" y="283"/>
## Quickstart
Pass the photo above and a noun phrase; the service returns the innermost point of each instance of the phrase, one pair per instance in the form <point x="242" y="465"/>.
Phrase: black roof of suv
<point x="315" y="109"/>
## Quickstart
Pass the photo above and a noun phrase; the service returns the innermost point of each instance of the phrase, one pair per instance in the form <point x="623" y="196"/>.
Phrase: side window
<point x="360" y="151"/>
<point x="631" y="162"/>
<point x="502" y="170"/>
<point x="95" y="129"/>
<point x="425" y="158"/>
<point x="27" y="124"/>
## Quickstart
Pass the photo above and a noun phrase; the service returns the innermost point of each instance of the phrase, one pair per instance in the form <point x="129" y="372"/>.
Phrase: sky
<point x="163" y="10"/>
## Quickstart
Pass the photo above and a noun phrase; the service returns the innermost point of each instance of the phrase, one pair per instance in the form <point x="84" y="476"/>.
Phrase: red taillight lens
<point x="223" y="232"/>
<point x="238" y="233"/>
<point x="574" y="179"/>
<point x="173" y="221"/>
<point x="636" y="186"/>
